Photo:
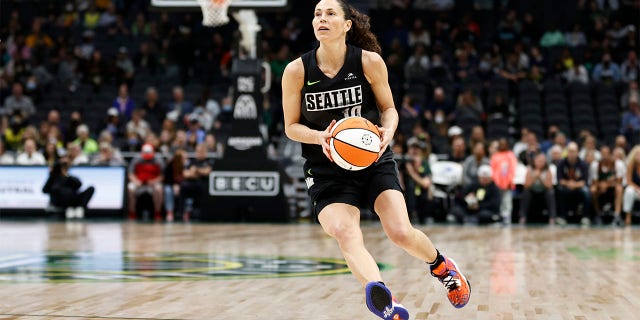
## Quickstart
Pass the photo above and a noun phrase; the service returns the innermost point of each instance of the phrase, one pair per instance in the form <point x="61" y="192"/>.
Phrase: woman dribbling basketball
<point x="345" y="76"/>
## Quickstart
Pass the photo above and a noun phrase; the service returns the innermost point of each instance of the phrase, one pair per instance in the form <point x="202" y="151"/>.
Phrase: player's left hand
<point x="385" y="138"/>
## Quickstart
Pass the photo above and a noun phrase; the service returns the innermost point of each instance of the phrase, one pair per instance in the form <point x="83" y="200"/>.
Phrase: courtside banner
<point x="244" y="183"/>
<point x="21" y="186"/>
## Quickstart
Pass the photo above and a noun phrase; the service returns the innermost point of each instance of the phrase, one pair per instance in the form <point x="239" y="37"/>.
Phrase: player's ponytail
<point x="360" y="34"/>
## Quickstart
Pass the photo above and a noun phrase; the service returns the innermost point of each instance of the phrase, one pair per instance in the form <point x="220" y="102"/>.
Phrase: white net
<point x="249" y="28"/>
<point x="214" y="12"/>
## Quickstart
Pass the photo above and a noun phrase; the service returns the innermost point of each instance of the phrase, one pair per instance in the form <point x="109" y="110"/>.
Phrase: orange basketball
<point x="354" y="143"/>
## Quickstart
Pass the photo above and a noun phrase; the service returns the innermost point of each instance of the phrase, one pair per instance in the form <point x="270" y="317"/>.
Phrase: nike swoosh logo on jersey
<point x="309" y="83"/>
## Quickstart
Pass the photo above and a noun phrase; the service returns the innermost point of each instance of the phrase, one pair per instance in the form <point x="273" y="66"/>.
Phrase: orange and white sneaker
<point x="458" y="288"/>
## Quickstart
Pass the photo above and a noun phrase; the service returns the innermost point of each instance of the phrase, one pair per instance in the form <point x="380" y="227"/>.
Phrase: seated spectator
<point x="113" y="124"/>
<point x="632" y="90"/>
<point x="196" y="180"/>
<point x="195" y="134"/>
<point x="473" y="162"/>
<point x="503" y="166"/>
<point x="145" y="59"/>
<point x="18" y="103"/>
<point x="630" y="125"/>
<point x="533" y="148"/>
<point x="481" y="200"/>
<point x="577" y="73"/>
<point x="213" y="145"/>
<point x="512" y="71"/>
<point x="64" y="190"/>
<point x="555" y="155"/>
<point x="30" y="156"/>
<point x="588" y="145"/>
<point x="439" y="102"/>
<point x="107" y="156"/>
<point x="50" y="152"/>
<point x="552" y="37"/>
<point x="419" y="34"/>
<point x="621" y="142"/>
<point x="458" y="150"/>
<point x="180" y="140"/>
<point x="67" y="69"/>
<point x="77" y="157"/>
<point x="418" y="181"/>
<point x="89" y="145"/>
<point x="575" y="37"/>
<point x="123" y="103"/>
<point x="417" y="66"/>
<point x="6" y="157"/>
<point x="409" y="115"/>
<point x="477" y="135"/>
<point x="145" y="176"/>
<point x="469" y="105"/>
<point x="138" y="125"/>
<point x="140" y="27"/>
<point x="173" y="178"/>
<point x="154" y="110"/>
<point x="607" y="71"/>
<point x="14" y="132"/>
<point x="630" y="68"/>
<point x="499" y="106"/>
<point x="464" y="69"/>
<point x="523" y="143"/>
<point x="97" y="70"/>
<point x="537" y="59"/>
<point x="179" y="106"/>
<point x="560" y="140"/>
<point x="124" y="67"/>
<point x="606" y="183"/>
<point x="539" y="182"/>
<point x="632" y="191"/>
<point x="549" y="140"/>
<point x="572" y="185"/>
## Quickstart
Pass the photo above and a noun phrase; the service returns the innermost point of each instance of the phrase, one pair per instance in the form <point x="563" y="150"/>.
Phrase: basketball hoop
<point x="214" y="12"/>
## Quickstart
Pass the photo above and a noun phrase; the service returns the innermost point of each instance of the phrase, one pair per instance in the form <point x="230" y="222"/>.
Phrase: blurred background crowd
<point x="531" y="99"/>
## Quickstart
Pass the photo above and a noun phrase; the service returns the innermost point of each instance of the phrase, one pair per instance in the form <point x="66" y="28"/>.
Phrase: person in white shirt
<point x="76" y="156"/>
<point x="5" y="157"/>
<point x="31" y="156"/>
<point x="590" y="145"/>
<point x="578" y="73"/>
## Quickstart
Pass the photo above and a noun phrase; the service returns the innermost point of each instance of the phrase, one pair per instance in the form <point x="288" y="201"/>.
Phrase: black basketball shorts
<point x="328" y="183"/>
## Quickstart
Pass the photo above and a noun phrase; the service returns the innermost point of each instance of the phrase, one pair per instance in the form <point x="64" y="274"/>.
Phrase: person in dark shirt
<point x="417" y="181"/>
<point x="481" y="200"/>
<point x="196" y="178"/>
<point x="572" y="185"/>
<point x="64" y="190"/>
<point x="155" y="112"/>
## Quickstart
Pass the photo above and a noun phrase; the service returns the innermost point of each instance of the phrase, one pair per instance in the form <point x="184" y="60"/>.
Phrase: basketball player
<point x="345" y="76"/>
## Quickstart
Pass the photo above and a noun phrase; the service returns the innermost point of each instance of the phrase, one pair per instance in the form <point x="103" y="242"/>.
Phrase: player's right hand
<point x="324" y="137"/>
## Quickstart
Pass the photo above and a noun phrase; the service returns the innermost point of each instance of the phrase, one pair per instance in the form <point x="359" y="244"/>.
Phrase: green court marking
<point x="593" y="253"/>
<point x="71" y="266"/>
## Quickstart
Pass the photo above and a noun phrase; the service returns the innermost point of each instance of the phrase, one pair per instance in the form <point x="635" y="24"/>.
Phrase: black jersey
<point x="325" y="99"/>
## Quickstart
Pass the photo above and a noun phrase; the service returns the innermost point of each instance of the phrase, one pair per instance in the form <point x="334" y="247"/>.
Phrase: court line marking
<point x="83" y="317"/>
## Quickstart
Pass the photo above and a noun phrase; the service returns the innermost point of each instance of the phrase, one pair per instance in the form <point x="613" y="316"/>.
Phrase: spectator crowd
<point x="109" y="82"/>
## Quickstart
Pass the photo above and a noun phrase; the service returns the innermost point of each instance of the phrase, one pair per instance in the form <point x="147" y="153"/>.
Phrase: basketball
<point x="355" y="143"/>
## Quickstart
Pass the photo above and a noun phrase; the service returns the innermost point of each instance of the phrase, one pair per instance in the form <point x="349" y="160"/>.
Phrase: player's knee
<point x="400" y="235"/>
<point x="341" y="231"/>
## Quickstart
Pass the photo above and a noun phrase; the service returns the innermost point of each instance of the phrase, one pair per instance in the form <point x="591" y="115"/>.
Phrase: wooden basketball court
<point x="118" y="270"/>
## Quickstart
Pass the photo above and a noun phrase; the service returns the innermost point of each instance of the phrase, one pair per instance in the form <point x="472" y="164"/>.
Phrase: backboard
<point x="261" y="5"/>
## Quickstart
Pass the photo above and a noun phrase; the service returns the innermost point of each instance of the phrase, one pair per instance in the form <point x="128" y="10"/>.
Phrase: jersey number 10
<point x="353" y="111"/>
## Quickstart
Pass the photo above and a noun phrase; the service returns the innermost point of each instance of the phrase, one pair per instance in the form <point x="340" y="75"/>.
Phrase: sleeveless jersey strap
<point x="306" y="62"/>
